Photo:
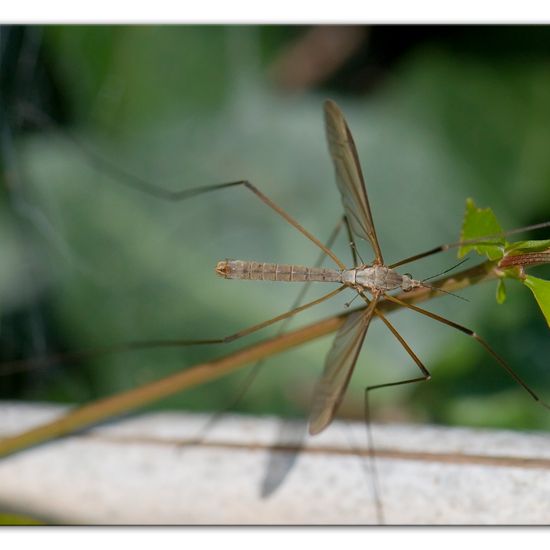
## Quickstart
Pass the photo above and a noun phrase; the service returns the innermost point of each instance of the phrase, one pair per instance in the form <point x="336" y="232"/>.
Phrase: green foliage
<point x="528" y="246"/>
<point x="481" y="222"/>
<point x="541" y="290"/>
<point x="501" y="291"/>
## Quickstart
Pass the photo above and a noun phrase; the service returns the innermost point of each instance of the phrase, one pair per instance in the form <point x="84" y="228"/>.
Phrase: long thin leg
<point x="162" y="193"/>
<point x="445" y="247"/>
<point x="476" y="337"/>
<point x="181" y="195"/>
<point x="370" y="438"/>
<point x="21" y="365"/>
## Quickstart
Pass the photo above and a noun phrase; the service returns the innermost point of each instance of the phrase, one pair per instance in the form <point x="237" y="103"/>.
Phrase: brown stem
<point x="124" y="402"/>
<point x="528" y="259"/>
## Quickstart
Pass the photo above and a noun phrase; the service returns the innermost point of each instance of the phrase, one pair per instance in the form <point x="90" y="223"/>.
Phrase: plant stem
<point x="525" y="260"/>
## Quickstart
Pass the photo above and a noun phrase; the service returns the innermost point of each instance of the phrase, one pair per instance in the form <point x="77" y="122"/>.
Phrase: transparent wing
<point x="338" y="368"/>
<point x="349" y="176"/>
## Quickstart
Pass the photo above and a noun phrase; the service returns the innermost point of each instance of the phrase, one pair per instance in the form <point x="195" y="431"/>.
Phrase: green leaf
<point x="541" y="290"/>
<point x="529" y="246"/>
<point x="501" y="291"/>
<point x="478" y="223"/>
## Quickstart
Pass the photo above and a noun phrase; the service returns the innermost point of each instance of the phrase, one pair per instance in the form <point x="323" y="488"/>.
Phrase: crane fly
<point x="377" y="279"/>
<point x="371" y="282"/>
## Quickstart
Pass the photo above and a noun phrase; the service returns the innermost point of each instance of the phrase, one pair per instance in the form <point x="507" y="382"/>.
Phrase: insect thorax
<point x="378" y="278"/>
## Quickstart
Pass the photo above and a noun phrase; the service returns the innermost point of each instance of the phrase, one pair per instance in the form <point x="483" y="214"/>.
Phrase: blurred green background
<point x="439" y="114"/>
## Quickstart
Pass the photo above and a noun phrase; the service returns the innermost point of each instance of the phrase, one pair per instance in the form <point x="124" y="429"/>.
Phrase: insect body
<point x="375" y="278"/>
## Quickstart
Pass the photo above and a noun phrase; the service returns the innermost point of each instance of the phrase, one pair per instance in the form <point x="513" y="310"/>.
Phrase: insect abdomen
<point x="261" y="271"/>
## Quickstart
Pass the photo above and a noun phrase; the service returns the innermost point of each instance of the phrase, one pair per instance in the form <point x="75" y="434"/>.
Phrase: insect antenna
<point x="431" y="287"/>
<point x="446" y="271"/>
<point x="423" y="281"/>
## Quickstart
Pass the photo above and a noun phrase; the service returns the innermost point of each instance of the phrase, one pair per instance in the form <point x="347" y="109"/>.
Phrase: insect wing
<point x="339" y="366"/>
<point x="349" y="177"/>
